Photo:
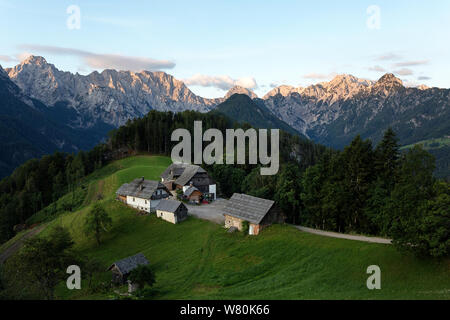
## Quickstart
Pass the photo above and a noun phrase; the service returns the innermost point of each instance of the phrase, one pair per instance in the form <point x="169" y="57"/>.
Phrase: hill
<point x="200" y="260"/>
<point x="241" y="108"/>
<point x="440" y="149"/>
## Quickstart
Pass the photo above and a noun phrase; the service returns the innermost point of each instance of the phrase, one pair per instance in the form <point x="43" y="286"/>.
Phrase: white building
<point x="142" y="194"/>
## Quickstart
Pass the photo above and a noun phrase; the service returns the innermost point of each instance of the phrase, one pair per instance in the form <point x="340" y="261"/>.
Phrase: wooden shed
<point x="192" y="194"/>
<point x="258" y="212"/>
<point x="172" y="211"/>
<point x="121" y="269"/>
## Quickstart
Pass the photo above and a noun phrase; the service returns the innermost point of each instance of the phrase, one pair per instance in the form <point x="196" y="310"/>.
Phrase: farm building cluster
<point x="192" y="184"/>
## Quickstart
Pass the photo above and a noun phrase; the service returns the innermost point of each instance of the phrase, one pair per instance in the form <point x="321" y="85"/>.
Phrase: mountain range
<point x="28" y="130"/>
<point x="331" y="113"/>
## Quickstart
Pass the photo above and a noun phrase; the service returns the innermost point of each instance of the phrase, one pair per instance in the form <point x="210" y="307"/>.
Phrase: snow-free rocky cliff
<point x="111" y="96"/>
<point x="334" y="112"/>
<point x="328" y="112"/>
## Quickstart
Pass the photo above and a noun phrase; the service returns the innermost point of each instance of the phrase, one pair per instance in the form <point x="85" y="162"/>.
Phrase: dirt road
<point x="344" y="236"/>
<point x="19" y="243"/>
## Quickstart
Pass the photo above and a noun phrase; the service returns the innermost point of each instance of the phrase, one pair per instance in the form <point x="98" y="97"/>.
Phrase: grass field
<point x="431" y="143"/>
<point x="200" y="260"/>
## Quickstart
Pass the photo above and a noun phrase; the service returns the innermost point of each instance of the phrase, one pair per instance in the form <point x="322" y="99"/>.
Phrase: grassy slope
<point x="440" y="149"/>
<point x="199" y="260"/>
<point x="431" y="143"/>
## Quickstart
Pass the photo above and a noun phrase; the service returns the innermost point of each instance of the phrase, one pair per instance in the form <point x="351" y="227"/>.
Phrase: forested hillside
<point x="39" y="182"/>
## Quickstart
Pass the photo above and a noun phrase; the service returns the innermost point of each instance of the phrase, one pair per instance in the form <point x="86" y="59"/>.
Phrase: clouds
<point x="319" y="76"/>
<point x="221" y="82"/>
<point x="397" y="65"/>
<point x="411" y="63"/>
<point x="104" y="61"/>
<point x="5" y="58"/>
<point x="423" y="78"/>
<point x="377" y="68"/>
<point x="388" y="57"/>
<point x="404" y="72"/>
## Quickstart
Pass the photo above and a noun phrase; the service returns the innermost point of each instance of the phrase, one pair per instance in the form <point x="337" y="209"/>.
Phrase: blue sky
<point x="213" y="45"/>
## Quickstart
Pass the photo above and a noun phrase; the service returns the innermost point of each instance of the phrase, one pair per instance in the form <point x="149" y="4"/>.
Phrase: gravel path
<point x="19" y="243"/>
<point x="211" y="212"/>
<point x="344" y="236"/>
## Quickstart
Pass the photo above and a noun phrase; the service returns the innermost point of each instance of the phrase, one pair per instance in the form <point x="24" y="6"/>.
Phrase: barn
<point x="172" y="211"/>
<point x="182" y="176"/>
<point x="121" y="269"/>
<point x="258" y="212"/>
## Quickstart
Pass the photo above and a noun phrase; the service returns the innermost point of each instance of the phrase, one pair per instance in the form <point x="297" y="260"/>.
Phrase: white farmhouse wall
<point x="138" y="203"/>
<point x="212" y="189"/>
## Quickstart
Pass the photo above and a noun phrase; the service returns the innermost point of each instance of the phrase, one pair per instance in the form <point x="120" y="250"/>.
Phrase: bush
<point x="245" y="226"/>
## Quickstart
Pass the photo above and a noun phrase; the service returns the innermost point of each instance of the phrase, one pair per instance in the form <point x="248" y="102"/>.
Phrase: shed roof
<point x="189" y="172"/>
<point x="168" y="205"/>
<point x="139" y="188"/>
<point x="174" y="171"/>
<point x="190" y="190"/>
<point x="249" y="208"/>
<point x="128" y="264"/>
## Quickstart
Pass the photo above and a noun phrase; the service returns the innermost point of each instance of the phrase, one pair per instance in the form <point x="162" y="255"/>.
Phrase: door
<point x="250" y="229"/>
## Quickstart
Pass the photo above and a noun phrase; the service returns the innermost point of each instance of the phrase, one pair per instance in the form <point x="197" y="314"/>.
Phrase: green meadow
<point x="198" y="259"/>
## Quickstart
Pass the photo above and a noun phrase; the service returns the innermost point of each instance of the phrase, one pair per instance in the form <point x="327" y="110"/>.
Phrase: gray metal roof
<point x="249" y="208"/>
<point x="182" y="173"/>
<point x="126" y="265"/>
<point x="174" y="171"/>
<point x="189" y="191"/>
<point x="139" y="188"/>
<point x="168" y="205"/>
<point x="189" y="172"/>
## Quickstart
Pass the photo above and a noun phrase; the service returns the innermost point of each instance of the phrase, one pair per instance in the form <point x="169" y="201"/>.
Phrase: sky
<point x="214" y="45"/>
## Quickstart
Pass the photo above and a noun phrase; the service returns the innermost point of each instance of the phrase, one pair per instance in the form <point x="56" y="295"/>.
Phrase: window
<point x="134" y="200"/>
<point x="145" y="201"/>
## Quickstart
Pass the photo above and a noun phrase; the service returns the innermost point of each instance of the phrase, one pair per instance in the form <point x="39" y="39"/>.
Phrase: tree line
<point x="38" y="183"/>
<point x="361" y="189"/>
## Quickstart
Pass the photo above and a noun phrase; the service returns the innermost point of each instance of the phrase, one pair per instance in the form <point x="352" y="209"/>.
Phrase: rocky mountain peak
<point x="284" y="90"/>
<point x="240" y="90"/>
<point x="37" y="60"/>
<point x="389" y="80"/>
<point x="423" y="87"/>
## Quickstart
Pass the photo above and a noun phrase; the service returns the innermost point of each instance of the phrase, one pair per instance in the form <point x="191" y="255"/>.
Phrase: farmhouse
<point x="258" y="212"/>
<point x="142" y="194"/>
<point x="172" y="211"/>
<point x="121" y="269"/>
<point x="182" y="176"/>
